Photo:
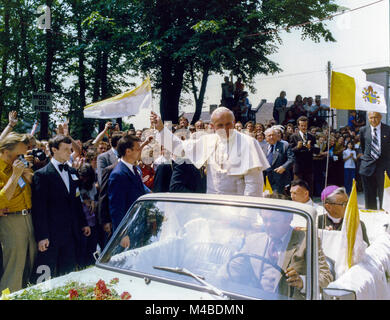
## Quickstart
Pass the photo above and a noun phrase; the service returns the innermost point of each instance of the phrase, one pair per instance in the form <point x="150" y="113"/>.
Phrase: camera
<point x="38" y="153"/>
<point x="25" y="162"/>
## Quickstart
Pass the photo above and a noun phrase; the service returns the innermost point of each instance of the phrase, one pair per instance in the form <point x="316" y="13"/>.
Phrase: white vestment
<point x="234" y="165"/>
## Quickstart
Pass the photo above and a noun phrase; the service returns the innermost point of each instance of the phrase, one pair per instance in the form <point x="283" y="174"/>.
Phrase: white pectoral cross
<point x="222" y="154"/>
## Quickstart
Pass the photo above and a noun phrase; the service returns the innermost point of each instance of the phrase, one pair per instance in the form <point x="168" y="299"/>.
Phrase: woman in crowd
<point x="238" y="126"/>
<point x="349" y="157"/>
<point x="336" y="163"/>
<point x="89" y="198"/>
<point x="250" y="127"/>
<point x="261" y="140"/>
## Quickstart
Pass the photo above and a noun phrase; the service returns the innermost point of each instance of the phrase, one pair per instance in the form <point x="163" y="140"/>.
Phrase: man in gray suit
<point x="281" y="159"/>
<point x="375" y="144"/>
<point x="275" y="260"/>
<point x="108" y="158"/>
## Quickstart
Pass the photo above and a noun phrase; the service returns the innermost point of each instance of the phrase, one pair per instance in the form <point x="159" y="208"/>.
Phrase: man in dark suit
<point x="302" y="144"/>
<point x="57" y="212"/>
<point x="375" y="145"/>
<point x="282" y="259"/>
<point x="125" y="184"/>
<point x="108" y="158"/>
<point x="104" y="217"/>
<point x="281" y="159"/>
<point x="187" y="178"/>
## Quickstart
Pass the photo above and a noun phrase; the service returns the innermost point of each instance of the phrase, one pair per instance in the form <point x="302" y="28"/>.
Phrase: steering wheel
<point x="255" y="256"/>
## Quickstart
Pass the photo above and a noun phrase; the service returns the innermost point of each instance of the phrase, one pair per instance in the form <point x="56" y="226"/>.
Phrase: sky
<point x="362" y="41"/>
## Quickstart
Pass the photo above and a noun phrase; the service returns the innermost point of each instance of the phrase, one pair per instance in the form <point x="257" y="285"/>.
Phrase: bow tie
<point x="63" y="167"/>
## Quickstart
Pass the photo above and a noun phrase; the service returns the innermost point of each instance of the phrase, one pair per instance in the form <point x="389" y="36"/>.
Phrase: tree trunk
<point x="26" y="57"/>
<point x="86" y="124"/>
<point x="200" y="99"/>
<point x="44" y="134"/>
<point x="172" y="84"/>
<point x="104" y="83"/>
<point x="4" y="64"/>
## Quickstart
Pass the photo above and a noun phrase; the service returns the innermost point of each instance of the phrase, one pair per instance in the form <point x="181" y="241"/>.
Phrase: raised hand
<point x="12" y="118"/>
<point x="156" y="121"/>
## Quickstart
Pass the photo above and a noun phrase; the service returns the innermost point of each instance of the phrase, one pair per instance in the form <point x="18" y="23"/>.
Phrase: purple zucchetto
<point x="327" y="191"/>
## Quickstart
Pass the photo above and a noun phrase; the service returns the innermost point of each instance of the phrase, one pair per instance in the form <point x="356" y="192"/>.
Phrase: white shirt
<point x="129" y="165"/>
<point x="311" y="203"/>
<point x="335" y="220"/>
<point x="64" y="174"/>
<point x="303" y="135"/>
<point x="350" y="163"/>
<point x="378" y="133"/>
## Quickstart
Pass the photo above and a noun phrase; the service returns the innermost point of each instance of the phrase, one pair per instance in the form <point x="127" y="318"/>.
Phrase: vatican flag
<point x="348" y="94"/>
<point x="386" y="194"/>
<point x="267" y="189"/>
<point x="352" y="246"/>
<point x="125" y="104"/>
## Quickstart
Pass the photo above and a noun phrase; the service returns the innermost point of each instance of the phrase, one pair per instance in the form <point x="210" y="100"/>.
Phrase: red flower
<point x="125" y="296"/>
<point x="114" y="281"/>
<point x="73" y="294"/>
<point x="101" y="291"/>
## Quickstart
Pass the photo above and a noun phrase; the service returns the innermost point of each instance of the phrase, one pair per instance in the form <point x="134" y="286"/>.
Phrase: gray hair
<point x="219" y="111"/>
<point x="269" y="130"/>
<point x="340" y="190"/>
<point x="279" y="128"/>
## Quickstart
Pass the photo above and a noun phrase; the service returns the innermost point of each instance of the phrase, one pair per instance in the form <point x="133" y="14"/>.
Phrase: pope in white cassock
<point x="234" y="160"/>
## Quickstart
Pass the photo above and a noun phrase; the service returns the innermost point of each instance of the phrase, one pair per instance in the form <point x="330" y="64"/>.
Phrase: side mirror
<point x="338" y="294"/>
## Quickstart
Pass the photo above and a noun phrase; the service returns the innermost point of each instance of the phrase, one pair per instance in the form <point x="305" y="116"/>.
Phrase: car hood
<point x="136" y="286"/>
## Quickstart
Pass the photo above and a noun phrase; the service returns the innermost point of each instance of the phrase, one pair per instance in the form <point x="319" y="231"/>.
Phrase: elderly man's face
<point x="276" y="224"/>
<point x="271" y="137"/>
<point x="299" y="194"/>
<point x="223" y="124"/>
<point x="374" y="118"/>
<point x="336" y="207"/>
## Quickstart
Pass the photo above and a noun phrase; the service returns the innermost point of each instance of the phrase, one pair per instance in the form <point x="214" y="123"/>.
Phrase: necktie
<point x="375" y="150"/>
<point x="137" y="174"/>
<point x="270" y="154"/>
<point x="63" y="167"/>
<point x="273" y="249"/>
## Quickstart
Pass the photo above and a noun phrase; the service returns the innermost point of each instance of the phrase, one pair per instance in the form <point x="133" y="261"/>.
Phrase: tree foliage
<point x="95" y="47"/>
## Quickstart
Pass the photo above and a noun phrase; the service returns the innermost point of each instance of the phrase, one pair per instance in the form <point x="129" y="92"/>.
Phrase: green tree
<point x="181" y="45"/>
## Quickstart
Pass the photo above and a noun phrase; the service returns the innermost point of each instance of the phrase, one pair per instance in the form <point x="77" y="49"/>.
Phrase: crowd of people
<point x="62" y="199"/>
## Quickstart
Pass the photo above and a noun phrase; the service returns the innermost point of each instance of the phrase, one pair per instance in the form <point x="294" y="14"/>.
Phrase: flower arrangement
<point x="73" y="290"/>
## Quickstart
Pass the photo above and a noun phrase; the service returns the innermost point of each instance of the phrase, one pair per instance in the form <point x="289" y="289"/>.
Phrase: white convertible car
<point x="188" y="246"/>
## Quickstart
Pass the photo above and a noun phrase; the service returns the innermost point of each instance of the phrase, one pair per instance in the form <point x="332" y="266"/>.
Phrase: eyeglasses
<point x="344" y="204"/>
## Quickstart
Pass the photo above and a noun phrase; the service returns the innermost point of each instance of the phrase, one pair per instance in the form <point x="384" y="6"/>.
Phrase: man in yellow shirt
<point x="16" y="229"/>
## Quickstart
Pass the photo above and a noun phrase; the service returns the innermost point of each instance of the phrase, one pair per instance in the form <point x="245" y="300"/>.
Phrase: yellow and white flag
<point x="348" y="94"/>
<point x="352" y="246"/>
<point x="267" y="189"/>
<point x="123" y="105"/>
<point x="386" y="194"/>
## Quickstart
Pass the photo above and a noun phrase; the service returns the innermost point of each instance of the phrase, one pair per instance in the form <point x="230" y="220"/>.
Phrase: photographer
<point x="16" y="229"/>
<point x="35" y="156"/>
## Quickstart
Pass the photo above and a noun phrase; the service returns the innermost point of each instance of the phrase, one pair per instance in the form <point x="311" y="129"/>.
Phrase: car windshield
<point x="242" y="251"/>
